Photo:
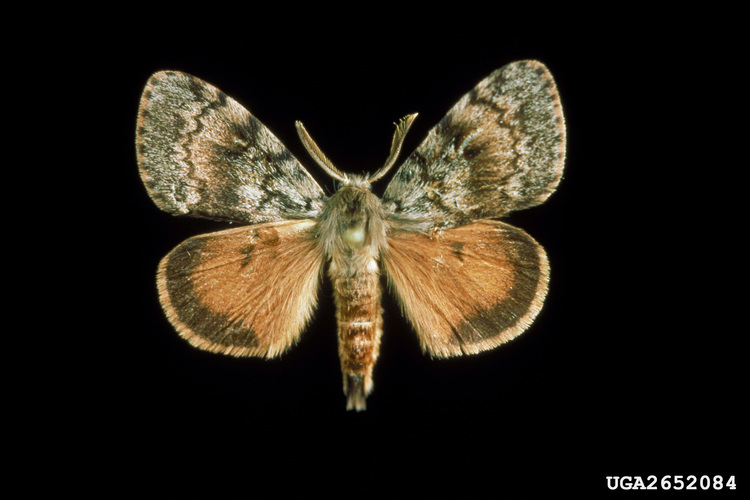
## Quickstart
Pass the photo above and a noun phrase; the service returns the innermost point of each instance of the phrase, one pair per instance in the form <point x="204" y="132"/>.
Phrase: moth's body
<point x="466" y="281"/>
<point x="353" y="233"/>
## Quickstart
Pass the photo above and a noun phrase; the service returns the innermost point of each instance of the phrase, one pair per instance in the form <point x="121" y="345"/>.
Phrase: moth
<point x="466" y="281"/>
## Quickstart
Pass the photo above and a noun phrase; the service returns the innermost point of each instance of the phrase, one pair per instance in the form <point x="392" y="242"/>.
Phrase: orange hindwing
<point x="248" y="291"/>
<point x="470" y="288"/>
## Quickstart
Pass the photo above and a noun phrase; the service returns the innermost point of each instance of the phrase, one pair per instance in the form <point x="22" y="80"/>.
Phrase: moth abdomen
<point x="359" y="316"/>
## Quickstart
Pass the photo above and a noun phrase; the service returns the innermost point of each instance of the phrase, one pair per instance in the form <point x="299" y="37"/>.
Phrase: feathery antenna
<point x="402" y="127"/>
<point x="317" y="154"/>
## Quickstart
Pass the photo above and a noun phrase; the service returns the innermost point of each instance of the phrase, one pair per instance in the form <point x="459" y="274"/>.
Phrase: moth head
<point x="402" y="127"/>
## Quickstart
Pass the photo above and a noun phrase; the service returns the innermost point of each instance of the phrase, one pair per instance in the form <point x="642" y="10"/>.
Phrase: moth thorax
<point x="352" y="221"/>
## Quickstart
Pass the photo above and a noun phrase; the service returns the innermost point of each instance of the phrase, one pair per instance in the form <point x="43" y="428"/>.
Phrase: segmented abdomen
<point x="360" y="325"/>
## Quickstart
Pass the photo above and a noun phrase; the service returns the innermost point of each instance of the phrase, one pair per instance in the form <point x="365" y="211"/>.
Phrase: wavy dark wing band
<point x="500" y="148"/>
<point x="203" y="154"/>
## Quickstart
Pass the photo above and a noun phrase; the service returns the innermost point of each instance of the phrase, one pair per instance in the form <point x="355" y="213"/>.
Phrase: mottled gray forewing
<point x="203" y="154"/>
<point x="500" y="148"/>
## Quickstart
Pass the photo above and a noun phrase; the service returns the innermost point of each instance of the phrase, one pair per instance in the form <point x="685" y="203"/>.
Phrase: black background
<point x="632" y="367"/>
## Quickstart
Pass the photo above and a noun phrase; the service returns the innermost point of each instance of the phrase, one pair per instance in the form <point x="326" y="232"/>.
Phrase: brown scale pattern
<point x="359" y="315"/>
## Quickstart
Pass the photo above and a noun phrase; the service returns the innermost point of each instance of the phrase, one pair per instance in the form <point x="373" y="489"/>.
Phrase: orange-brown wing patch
<point x="248" y="291"/>
<point x="470" y="288"/>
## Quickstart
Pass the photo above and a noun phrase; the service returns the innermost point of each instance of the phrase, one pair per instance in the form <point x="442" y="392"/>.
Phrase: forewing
<point x="201" y="153"/>
<point x="247" y="291"/>
<point x="467" y="289"/>
<point x="500" y="148"/>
